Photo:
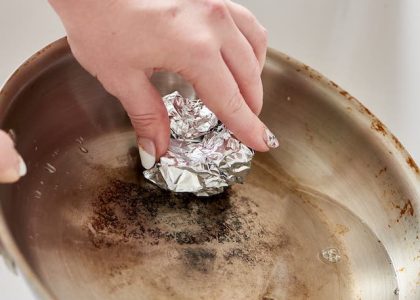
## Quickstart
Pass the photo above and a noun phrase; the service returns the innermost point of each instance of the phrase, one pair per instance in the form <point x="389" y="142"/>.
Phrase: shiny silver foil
<point x="203" y="156"/>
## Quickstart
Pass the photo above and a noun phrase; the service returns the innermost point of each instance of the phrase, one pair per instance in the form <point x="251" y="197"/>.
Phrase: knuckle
<point x="252" y="76"/>
<point x="256" y="73"/>
<point x="254" y="83"/>
<point x="249" y="17"/>
<point x="235" y="103"/>
<point x="258" y="108"/>
<point x="260" y="41"/>
<point x="143" y="123"/>
<point x="216" y="8"/>
<point x="202" y="48"/>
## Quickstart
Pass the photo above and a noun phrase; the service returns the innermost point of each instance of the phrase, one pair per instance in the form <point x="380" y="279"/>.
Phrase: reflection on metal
<point x="102" y="232"/>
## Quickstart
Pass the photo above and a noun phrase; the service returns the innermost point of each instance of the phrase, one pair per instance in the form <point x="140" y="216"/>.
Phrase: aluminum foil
<point x="203" y="156"/>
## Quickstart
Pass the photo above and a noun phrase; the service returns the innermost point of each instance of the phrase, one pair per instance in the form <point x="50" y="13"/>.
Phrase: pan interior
<point x="92" y="228"/>
<point x="102" y="232"/>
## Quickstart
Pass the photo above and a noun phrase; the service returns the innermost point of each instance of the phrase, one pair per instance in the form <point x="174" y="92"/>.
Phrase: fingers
<point x="253" y="31"/>
<point x="216" y="86"/>
<point x="12" y="166"/>
<point x="148" y="116"/>
<point x="240" y="58"/>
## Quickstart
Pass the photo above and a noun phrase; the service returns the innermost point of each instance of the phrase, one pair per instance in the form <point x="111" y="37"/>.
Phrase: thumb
<point x="149" y="118"/>
<point x="12" y="166"/>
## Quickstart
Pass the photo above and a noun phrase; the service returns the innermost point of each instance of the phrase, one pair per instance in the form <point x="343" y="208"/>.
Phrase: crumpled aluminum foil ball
<point x="203" y="156"/>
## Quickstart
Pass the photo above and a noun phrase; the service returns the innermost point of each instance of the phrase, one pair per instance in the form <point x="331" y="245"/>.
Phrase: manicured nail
<point x="13" y="173"/>
<point x="147" y="152"/>
<point x="22" y="167"/>
<point x="270" y="139"/>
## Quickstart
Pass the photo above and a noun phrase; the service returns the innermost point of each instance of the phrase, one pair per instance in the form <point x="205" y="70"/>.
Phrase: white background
<point x="370" y="48"/>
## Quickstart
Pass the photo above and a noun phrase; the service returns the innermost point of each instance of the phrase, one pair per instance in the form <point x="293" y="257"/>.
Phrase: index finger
<point x="215" y="85"/>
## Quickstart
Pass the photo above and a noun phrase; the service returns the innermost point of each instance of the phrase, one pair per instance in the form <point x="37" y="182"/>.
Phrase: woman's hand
<point x="12" y="166"/>
<point x="216" y="45"/>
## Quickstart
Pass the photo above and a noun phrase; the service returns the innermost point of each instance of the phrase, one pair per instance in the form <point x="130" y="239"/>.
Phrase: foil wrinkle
<point x="203" y="156"/>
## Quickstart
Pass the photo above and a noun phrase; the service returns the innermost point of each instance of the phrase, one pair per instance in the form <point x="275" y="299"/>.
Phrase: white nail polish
<point x="147" y="160"/>
<point x="22" y="167"/>
<point x="147" y="152"/>
<point x="270" y="139"/>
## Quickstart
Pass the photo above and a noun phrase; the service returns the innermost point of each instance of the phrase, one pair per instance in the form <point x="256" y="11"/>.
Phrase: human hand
<point x="12" y="166"/>
<point x="216" y="45"/>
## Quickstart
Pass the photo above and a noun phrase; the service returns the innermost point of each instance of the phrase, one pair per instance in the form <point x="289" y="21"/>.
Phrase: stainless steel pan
<point x="332" y="214"/>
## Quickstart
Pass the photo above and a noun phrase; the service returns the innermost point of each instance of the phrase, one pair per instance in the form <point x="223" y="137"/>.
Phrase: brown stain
<point x="344" y="93"/>
<point x="239" y="254"/>
<point x="379" y="127"/>
<point x="231" y="223"/>
<point x="117" y="270"/>
<point x="381" y="171"/>
<point x="333" y="84"/>
<point x="413" y="165"/>
<point x="397" y="143"/>
<point x="311" y="72"/>
<point x="301" y="290"/>
<point x="135" y="219"/>
<point x="406" y="210"/>
<point x="341" y="229"/>
<point x="125" y="213"/>
<point x="366" y="110"/>
<point x="295" y="289"/>
<point x="200" y="259"/>
<point x="401" y="270"/>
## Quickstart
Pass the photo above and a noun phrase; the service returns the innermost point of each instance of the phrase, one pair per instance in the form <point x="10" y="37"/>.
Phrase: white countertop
<point x="370" y="48"/>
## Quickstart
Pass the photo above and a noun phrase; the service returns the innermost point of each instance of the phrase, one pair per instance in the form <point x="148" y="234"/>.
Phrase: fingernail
<point x="14" y="173"/>
<point x="147" y="152"/>
<point x="270" y="139"/>
<point x="22" y="167"/>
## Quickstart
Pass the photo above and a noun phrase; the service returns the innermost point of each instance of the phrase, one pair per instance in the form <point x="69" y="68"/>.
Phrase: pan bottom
<point x="102" y="232"/>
